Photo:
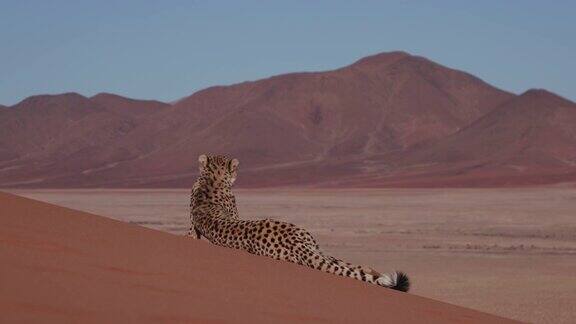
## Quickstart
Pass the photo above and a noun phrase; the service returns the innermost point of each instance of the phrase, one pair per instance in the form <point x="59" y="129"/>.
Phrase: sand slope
<point x="61" y="265"/>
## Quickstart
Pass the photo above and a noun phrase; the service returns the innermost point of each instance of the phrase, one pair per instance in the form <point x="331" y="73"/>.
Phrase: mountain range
<point x="388" y="120"/>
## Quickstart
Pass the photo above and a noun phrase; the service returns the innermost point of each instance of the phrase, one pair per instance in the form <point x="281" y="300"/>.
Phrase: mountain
<point x="126" y="106"/>
<point x="379" y="104"/>
<point x="388" y="119"/>
<point x="62" y="135"/>
<point x="530" y="139"/>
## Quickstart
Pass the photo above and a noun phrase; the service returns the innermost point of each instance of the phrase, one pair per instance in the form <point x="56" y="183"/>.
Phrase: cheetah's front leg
<point x="197" y="234"/>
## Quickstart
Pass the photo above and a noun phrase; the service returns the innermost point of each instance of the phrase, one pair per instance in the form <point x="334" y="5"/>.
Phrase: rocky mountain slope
<point x="392" y="119"/>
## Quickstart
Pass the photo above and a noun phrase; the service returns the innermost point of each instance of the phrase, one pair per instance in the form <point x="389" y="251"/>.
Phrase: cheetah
<point x="213" y="215"/>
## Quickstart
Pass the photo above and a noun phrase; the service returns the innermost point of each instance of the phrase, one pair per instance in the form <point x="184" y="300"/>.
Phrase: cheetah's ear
<point x="203" y="160"/>
<point x="234" y="164"/>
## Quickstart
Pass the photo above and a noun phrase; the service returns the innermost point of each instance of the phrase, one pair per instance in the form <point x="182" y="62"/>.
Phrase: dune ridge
<point x="60" y="265"/>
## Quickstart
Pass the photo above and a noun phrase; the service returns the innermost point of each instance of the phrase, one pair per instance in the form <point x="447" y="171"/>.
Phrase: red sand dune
<point x="391" y="119"/>
<point x="61" y="265"/>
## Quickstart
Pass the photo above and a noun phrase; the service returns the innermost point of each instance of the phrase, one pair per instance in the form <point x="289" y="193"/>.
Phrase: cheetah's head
<point x="219" y="168"/>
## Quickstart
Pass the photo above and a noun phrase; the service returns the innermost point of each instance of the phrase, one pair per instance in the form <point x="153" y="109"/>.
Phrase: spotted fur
<point x="213" y="214"/>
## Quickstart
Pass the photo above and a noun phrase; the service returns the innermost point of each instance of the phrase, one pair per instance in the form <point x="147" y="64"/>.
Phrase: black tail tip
<point x="402" y="282"/>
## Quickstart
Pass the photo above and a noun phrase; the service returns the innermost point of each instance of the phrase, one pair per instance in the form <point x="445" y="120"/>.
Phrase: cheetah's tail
<point x="396" y="280"/>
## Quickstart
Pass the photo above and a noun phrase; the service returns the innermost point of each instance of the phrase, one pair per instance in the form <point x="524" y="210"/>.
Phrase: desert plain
<point x="505" y="251"/>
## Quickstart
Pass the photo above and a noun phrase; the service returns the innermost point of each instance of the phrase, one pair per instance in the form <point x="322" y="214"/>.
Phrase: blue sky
<point x="168" y="49"/>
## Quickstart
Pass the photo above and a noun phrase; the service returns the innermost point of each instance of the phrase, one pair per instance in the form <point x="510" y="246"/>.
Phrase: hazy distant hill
<point x="388" y="119"/>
